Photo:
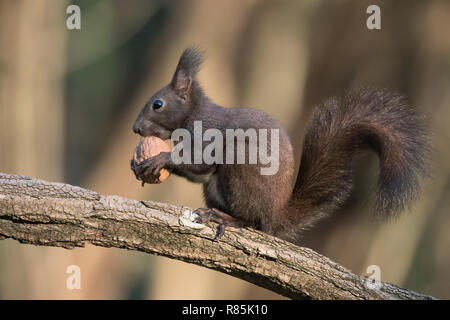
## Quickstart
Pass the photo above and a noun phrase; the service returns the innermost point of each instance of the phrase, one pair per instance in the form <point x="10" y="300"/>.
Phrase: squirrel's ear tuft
<point x="187" y="69"/>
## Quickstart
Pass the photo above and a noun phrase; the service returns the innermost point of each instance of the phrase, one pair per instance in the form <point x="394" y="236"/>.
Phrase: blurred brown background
<point x="68" y="99"/>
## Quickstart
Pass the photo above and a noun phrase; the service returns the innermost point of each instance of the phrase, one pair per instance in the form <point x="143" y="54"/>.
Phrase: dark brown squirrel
<point x="238" y="195"/>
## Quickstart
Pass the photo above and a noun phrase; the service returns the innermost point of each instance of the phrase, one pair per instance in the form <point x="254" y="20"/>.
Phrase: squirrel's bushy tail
<point x="340" y="128"/>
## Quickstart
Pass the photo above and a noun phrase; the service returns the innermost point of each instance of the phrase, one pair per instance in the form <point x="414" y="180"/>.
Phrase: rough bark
<point x="55" y="214"/>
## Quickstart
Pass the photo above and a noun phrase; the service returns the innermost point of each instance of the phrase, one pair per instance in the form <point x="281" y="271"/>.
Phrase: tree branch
<point x="55" y="214"/>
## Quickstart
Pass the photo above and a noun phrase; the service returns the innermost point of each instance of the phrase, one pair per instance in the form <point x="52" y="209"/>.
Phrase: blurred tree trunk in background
<point x="32" y="41"/>
<point x="32" y="60"/>
<point x="273" y="59"/>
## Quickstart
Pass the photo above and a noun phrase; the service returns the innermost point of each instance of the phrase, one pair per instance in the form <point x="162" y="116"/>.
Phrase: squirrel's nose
<point x="136" y="129"/>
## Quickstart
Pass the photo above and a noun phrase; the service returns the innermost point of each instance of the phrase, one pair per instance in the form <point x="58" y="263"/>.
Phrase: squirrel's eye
<point x="157" y="104"/>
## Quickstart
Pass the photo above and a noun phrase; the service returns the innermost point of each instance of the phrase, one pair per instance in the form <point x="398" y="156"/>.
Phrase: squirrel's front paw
<point x="151" y="166"/>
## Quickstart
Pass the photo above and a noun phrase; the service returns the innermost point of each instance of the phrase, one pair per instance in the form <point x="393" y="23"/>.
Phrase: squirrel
<point x="238" y="195"/>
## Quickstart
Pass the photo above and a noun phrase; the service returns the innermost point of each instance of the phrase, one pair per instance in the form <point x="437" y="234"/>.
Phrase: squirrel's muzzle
<point x="136" y="128"/>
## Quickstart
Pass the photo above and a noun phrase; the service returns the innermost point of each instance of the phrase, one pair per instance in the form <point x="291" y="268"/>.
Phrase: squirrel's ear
<point x="187" y="70"/>
<point x="181" y="83"/>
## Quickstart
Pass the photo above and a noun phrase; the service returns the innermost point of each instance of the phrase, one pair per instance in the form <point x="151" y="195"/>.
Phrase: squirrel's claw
<point x="214" y="215"/>
<point x="133" y="168"/>
<point x="220" y="232"/>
